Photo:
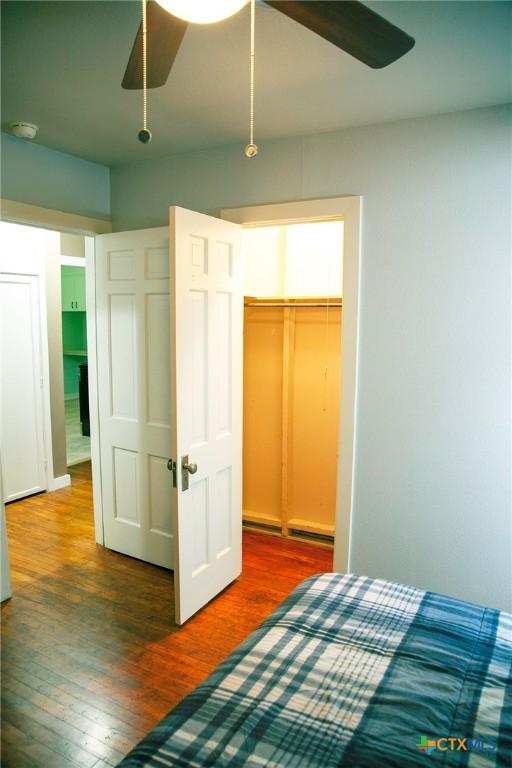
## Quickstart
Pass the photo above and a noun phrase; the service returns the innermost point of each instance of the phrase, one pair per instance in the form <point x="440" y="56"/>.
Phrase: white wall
<point x="294" y="260"/>
<point x="264" y="261"/>
<point x="314" y="259"/>
<point x="72" y="245"/>
<point x="432" y="494"/>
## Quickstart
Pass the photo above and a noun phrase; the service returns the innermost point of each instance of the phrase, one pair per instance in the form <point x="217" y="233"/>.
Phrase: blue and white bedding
<point x="351" y="671"/>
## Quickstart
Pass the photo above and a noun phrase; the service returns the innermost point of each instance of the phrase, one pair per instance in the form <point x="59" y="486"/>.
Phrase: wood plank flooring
<point x="91" y="657"/>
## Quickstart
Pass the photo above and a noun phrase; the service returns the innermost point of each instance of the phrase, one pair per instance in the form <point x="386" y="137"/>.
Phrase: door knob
<point x="186" y="470"/>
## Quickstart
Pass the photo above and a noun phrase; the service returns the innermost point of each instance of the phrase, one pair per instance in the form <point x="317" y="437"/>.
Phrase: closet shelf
<point x="76" y="352"/>
<point x="298" y="301"/>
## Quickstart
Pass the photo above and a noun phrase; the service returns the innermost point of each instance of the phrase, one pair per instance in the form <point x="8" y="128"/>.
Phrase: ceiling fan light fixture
<point x="202" y="11"/>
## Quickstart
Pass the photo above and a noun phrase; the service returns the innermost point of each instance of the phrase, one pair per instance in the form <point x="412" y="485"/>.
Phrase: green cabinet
<point x="73" y="289"/>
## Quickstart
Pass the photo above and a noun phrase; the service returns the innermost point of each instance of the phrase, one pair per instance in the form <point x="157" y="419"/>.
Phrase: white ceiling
<point x="62" y="65"/>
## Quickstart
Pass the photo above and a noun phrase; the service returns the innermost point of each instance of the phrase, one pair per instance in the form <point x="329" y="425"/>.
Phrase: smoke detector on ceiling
<point x="24" y="130"/>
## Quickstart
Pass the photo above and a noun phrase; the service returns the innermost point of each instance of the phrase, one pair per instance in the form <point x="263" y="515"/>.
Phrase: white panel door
<point x="134" y="402"/>
<point x="21" y="387"/>
<point x="206" y="330"/>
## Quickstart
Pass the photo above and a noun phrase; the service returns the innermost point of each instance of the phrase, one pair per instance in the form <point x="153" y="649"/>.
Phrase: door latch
<point x="172" y="467"/>
<point x="186" y="470"/>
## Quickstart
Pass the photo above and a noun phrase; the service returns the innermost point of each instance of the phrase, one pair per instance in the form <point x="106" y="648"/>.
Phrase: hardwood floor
<point x="91" y="657"/>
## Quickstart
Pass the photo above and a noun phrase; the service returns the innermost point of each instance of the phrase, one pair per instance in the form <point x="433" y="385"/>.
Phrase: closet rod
<point x="292" y="305"/>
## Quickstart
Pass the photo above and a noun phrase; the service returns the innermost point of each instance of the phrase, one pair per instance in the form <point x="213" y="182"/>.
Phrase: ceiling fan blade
<point x="164" y="35"/>
<point x="351" y="26"/>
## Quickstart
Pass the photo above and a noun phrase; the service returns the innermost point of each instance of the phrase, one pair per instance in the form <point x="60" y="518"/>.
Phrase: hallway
<point x="78" y="446"/>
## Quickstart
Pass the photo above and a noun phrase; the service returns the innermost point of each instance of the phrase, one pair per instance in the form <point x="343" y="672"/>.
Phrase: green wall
<point x="74" y="337"/>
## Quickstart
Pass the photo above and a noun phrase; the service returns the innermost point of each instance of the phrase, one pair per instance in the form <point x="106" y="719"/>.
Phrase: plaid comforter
<point x="351" y="671"/>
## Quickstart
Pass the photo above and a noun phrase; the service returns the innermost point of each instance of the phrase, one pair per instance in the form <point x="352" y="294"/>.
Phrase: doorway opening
<point x="293" y="286"/>
<point x="128" y="277"/>
<point x="74" y="351"/>
<point x="202" y="431"/>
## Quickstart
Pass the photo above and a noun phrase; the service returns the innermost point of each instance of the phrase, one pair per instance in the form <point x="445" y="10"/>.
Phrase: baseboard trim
<point x="56" y="483"/>
<point x="78" y="461"/>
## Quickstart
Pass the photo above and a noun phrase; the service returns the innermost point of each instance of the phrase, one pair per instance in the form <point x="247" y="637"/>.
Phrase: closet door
<point x="206" y="333"/>
<point x="21" y="395"/>
<point x="169" y="339"/>
<point x="133" y="348"/>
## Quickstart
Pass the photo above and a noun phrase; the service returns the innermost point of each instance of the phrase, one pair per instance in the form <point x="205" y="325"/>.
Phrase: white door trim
<point x="62" y="481"/>
<point x="350" y="210"/>
<point x="5" y="570"/>
<point x="92" y="361"/>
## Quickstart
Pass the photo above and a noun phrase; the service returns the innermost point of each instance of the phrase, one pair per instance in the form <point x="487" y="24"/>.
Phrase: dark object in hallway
<point x="83" y="393"/>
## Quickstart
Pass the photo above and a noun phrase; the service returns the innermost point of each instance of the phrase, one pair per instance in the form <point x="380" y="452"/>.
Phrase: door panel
<point x="132" y="297"/>
<point x="21" y="401"/>
<point x="207" y="332"/>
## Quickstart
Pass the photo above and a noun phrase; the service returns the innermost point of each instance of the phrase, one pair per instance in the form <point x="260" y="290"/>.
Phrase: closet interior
<point x="292" y="377"/>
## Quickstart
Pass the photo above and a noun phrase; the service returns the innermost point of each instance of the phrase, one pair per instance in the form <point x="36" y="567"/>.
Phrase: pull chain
<point x="144" y="135"/>
<point x="251" y="149"/>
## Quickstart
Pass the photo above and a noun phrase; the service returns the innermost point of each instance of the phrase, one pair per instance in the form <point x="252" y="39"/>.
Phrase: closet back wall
<point x="292" y="362"/>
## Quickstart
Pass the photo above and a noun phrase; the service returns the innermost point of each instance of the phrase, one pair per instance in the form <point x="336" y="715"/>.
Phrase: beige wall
<point x="54" y="319"/>
<point x="72" y="245"/>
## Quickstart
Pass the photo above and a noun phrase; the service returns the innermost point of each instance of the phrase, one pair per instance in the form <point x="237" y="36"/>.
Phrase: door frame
<point x="349" y="210"/>
<point x="92" y="362"/>
<point x="54" y="220"/>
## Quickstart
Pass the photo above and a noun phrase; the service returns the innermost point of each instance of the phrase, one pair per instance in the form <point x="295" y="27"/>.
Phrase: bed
<point x="351" y="671"/>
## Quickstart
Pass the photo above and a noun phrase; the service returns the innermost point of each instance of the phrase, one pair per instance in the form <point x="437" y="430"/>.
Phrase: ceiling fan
<point x="347" y="24"/>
